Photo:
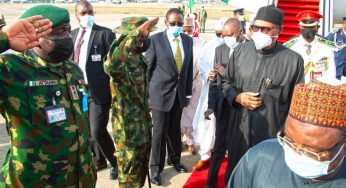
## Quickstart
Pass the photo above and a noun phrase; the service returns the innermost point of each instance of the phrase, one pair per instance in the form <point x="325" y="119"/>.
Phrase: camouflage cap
<point x="55" y="14"/>
<point x="131" y="23"/>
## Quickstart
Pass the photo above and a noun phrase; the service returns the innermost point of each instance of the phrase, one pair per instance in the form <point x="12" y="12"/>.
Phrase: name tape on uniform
<point x="43" y="83"/>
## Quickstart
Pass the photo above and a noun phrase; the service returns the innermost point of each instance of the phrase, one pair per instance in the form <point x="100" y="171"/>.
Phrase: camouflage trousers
<point x="132" y="136"/>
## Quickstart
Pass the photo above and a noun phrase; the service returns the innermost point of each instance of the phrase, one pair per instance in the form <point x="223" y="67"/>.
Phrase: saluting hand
<point x="249" y="100"/>
<point x="24" y="33"/>
<point x="145" y="28"/>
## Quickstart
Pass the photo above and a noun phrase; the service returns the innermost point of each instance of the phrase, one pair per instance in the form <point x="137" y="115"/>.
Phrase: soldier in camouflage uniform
<point x="24" y="34"/>
<point x="131" y="120"/>
<point x="44" y="101"/>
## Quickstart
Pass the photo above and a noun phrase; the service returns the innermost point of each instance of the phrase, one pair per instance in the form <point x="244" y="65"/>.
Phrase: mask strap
<point x="341" y="161"/>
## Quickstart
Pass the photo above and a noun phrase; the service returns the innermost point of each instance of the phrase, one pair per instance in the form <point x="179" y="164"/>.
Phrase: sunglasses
<point x="263" y="29"/>
<point x="180" y="24"/>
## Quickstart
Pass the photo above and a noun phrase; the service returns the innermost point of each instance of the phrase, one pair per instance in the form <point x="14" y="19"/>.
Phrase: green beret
<point x="131" y="23"/>
<point x="55" y="14"/>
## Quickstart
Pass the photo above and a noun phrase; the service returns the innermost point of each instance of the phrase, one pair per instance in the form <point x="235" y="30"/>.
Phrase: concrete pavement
<point x="169" y="177"/>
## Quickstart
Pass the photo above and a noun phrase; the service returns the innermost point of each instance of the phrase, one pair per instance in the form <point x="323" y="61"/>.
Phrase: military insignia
<point x="37" y="83"/>
<point x="326" y="42"/>
<point x="74" y="92"/>
<point x="291" y="42"/>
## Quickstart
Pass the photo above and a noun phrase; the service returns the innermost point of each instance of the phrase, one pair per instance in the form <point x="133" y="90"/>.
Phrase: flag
<point x="191" y="3"/>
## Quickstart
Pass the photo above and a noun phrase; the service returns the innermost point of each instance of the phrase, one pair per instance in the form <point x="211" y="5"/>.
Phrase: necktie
<point x="308" y="49"/>
<point x="178" y="57"/>
<point x="78" y="46"/>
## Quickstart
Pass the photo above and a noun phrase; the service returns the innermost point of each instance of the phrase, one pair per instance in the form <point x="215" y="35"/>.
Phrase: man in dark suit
<point x="91" y="44"/>
<point x="232" y="35"/>
<point x="170" y="63"/>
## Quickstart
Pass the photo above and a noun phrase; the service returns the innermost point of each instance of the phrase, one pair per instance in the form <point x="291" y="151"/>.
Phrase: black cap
<point x="343" y="18"/>
<point x="240" y="11"/>
<point x="270" y="14"/>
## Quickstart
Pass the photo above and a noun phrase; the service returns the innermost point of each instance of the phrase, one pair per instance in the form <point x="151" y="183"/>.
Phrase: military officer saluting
<point x="338" y="36"/>
<point x="24" y="33"/>
<point x="316" y="51"/>
<point x="44" y="102"/>
<point x="131" y="120"/>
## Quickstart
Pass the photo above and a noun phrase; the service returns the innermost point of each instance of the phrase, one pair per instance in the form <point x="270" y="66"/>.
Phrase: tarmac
<point x="169" y="177"/>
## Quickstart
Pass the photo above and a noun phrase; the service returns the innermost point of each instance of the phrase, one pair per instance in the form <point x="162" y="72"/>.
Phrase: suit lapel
<point x="91" y="39"/>
<point x="167" y="45"/>
<point x="186" y="49"/>
<point x="74" y="35"/>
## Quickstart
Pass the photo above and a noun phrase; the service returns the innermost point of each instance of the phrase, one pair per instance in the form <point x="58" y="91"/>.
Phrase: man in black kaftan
<point x="260" y="79"/>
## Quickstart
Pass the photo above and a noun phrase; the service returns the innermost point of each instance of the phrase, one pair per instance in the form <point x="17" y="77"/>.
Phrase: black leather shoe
<point x="179" y="168"/>
<point x="169" y="162"/>
<point x="155" y="179"/>
<point x="101" y="165"/>
<point x="113" y="174"/>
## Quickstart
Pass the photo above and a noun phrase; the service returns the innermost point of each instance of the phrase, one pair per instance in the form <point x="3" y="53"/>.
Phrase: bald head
<point x="83" y="5"/>
<point x="234" y="23"/>
<point x="83" y="8"/>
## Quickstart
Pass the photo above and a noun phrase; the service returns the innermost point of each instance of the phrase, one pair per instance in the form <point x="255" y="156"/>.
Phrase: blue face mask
<point x="87" y="21"/>
<point x="174" y="30"/>
<point x="220" y="41"/>
<point x="307" y="167"/>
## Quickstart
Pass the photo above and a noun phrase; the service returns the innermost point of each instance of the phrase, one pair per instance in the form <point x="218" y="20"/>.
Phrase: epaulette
<point x="292" y="41"/>
<point x="326" y="42"/>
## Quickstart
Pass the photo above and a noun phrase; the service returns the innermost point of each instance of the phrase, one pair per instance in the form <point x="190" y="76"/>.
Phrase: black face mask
<point x="308" y="33"/>
<point x="146" y="44"/>
<point x="62" y="49"/>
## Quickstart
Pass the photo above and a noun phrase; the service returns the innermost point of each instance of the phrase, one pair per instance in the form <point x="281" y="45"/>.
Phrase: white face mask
<point x="87" y="21"/>
<point x="231" y="41"/>
<point x="261" y="40"/>
<point x="305" y="166"/>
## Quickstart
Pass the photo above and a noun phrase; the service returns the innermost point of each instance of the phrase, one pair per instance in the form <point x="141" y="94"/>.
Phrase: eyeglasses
<point x="306" y="152"/>
<point x="218" y="34"/>
<point x="180" y="24"/>
<point x="263" y="29"/>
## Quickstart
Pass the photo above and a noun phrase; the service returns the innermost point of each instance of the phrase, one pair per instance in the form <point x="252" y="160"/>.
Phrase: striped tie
<point x="178" y="55"/>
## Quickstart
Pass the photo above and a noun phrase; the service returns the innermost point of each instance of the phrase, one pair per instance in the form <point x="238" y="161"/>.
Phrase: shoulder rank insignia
<point x="326" y="42"/>
<point x="291" y="42"/>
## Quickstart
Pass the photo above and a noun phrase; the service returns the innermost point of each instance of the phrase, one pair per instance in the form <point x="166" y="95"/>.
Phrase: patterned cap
<point x="188" y="22"/>
<point x="55" y="14"/>
<point x="131" y="23"/>
<point x="319" y="104"/>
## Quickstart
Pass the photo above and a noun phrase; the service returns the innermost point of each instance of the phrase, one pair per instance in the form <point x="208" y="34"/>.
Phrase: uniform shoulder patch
<point x="291" y="42"/>
<point x="326" y="42"/>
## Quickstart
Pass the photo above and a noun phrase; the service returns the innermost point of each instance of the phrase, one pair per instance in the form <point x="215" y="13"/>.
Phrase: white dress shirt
<point x="83" y="50"/>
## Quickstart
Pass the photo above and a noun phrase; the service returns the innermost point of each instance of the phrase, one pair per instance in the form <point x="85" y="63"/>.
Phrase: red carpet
<point x="198" y="179"/>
